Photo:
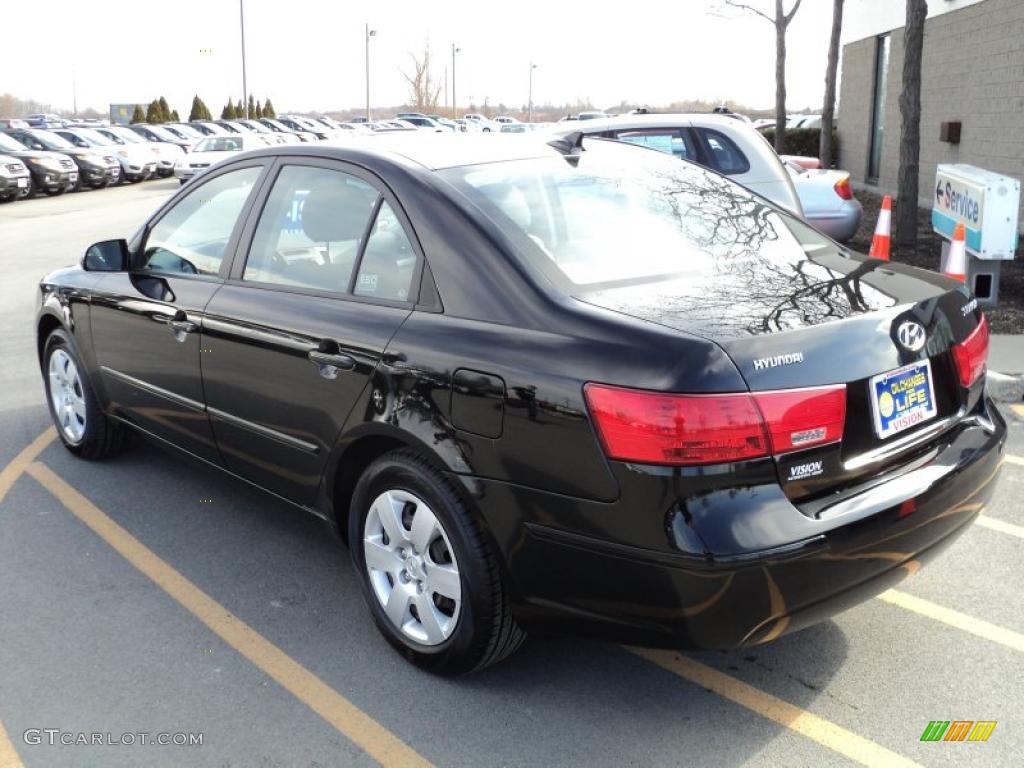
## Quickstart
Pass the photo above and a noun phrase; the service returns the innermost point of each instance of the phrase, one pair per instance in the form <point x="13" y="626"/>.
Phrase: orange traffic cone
<point x="880" y="242"/>
<point x="956" y="259"/>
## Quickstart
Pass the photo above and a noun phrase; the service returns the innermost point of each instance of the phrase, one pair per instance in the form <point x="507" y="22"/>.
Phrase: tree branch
<point x="792" y="12"/>
<point x="749" y="8"/>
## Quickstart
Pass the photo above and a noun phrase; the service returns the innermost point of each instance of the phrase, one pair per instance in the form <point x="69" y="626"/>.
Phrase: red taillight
<point x="842" y="188"/>
<point x="971" y="354"/>
<point x="803" y="418"/>
<point x="657" y="428"/>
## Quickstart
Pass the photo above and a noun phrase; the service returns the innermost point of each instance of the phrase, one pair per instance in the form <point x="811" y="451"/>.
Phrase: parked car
<point x="161" y="134"/>
<point x="827" y="201"/>
<point x="233" y="126"/>
<point x="299" y="123"/>
<point x="216" y="149"/>
<point x="810" y="163"/>
<point x="468" y="126"/>
<point x="15" y="179"/>
<point x="278" y="127"/>
<point x="803" y="121"/>
<point x="727" y="146"/>
<point x="592" y="115"/>
<point x="184" y="131"/>
<point x="516" y="127"/>
<point x="165" y="153"/>
<point x="13" y="122"/>
<point x="137" y="161"/>
<point x="485" y="125"/>
<point x="614" y="395"/>
<point x="274" y="137"/>
<point x="97" y="168"/>
<point x="208" y="128"/>
<point x="53" y="173"/>
<point x="47" y="120"/>
<point x="505" y="120"/>
<point x="422" y="123"/>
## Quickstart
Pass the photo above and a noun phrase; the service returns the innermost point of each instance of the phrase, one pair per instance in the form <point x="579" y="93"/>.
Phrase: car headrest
<point x="336" y="212"/>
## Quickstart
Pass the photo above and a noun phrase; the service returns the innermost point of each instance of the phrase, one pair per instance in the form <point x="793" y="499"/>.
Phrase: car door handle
<point x="178" y="324"/>
<point x="329" y="363"/>
<point x="182" y="326"/>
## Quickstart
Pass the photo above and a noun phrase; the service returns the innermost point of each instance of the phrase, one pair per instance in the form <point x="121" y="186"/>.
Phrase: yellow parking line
<point x="824" y="732"/>
<point x="358" y="727"/>
<point x="948" y="616"/>
<point x="998" y="525"/>
<point x="1018" y="409"/>
<point x="1015" y="459"/>
<point x="9" y="475"/>
<point x="8" y="755"/>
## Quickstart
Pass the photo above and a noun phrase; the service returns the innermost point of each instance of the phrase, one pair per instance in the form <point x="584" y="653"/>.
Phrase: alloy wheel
<point x="67" y="395"/>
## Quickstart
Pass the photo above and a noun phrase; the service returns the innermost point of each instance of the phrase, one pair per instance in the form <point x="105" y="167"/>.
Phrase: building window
<point x="878" y="108"/>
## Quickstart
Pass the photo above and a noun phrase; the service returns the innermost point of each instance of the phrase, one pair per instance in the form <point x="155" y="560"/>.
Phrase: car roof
<point x="432" y="151"/>
<point x="652" y="121"/>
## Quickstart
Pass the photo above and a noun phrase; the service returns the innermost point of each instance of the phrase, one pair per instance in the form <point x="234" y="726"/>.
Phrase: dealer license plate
<point x="902" y="398"/>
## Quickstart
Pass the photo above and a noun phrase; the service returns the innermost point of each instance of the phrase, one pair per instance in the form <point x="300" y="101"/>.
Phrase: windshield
<point x="52" y="140"/>
<point x="220" y="144"/>
<point x="126" y="135"/>
<point x="258" y="127"/>
<point x="620" y="216"/>
<point x="95" y="138"/>
<point x="162" y="133"/>
<point x="10" y="143"/>
<point x="188" y="131"/>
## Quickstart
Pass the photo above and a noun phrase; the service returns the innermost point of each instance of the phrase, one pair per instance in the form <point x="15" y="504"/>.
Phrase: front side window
<point x="311" y="229"/>
<point x="192" y="237"/>
<point x="671" y="141"/>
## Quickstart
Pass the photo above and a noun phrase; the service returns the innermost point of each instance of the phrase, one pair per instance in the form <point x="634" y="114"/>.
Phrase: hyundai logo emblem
<point x="911" y="335"/>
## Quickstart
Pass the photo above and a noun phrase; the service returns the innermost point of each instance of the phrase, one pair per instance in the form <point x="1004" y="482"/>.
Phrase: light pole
<point x="369" y="33"/>
<point x="245" y="85"/>
<point x="529" y="102"/>
<point x="455" y="103"/>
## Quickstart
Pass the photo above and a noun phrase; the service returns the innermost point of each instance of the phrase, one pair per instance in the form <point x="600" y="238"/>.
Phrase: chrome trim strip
<point x="898" y="446"/>
<point x="153" y="389"/>
<point x="259" y="429"/>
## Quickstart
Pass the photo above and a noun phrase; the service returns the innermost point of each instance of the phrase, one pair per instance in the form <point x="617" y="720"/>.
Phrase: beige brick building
<point x="973" y="72"/>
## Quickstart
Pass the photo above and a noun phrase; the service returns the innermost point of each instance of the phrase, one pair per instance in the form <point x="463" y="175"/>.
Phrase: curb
<point x="1005" y="388"/>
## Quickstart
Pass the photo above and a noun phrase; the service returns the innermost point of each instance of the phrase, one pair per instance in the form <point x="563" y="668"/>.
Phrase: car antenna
<point x="570" y="144"/>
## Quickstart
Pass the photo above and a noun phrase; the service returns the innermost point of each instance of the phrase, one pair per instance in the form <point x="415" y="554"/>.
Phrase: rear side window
<point x="311" y="229"/>
<point x="389" y="262"/>
<point x="724" y="155"/>
<point x="671" y="141"/>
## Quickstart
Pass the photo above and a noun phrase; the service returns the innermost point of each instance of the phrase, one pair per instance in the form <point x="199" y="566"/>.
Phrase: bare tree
<point x="780" y="20"/>
<point x="424" y="90"/>
<point x="910" y="113"/>
<point x="828" y="108"/>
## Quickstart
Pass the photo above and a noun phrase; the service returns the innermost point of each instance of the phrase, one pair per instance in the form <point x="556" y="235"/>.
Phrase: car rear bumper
<point x="841" y="225"/>
<point x="754" y="583"/>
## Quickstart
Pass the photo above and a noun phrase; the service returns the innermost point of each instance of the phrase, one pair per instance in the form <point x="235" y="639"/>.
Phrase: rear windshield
<point x="620" y="215"/>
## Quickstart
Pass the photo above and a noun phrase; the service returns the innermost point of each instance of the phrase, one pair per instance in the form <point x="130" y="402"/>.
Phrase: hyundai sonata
<point x="570" y="386"/>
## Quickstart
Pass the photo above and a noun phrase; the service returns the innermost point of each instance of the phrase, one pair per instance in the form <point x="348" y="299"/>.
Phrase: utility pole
<point x="446" y="102"/>
<point x="245" y="84"/>
<point x="529" y="103"/>
<point x="455" y="107"/>
<point x="369" y="33"/>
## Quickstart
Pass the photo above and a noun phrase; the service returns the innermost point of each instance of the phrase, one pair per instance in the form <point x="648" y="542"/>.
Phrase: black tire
<point x="486" y="631"/>
<point x="103" y="436"/>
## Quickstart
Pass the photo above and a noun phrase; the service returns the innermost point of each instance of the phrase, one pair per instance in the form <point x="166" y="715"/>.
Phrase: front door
<point x="146" y="322"/>
<point x="293" y="337"/>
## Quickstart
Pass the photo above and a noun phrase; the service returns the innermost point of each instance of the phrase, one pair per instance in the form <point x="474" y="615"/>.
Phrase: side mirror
<point x="106" y="256"/>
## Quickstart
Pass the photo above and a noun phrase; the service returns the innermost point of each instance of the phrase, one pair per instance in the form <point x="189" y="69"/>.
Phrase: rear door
<point x="146" y="323"/>
<point x="293" y="337"/>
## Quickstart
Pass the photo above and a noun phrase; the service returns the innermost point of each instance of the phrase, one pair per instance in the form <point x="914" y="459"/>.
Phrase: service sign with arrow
<point x="984" y="202"/>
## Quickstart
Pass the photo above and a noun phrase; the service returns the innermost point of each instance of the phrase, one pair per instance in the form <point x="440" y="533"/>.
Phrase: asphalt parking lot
<point x="151" y="595"/>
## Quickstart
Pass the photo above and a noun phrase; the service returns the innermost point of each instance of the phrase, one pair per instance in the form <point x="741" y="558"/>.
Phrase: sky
<point x="309" y="54"/>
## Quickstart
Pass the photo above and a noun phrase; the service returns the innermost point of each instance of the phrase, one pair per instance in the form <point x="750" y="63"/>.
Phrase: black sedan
<point x="97" y="167"/>
<point x="51" y="172"/>
<point x="578" y="386"/>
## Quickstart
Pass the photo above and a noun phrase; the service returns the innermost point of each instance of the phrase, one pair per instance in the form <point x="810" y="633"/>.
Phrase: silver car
<point x="828" y="201"/>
